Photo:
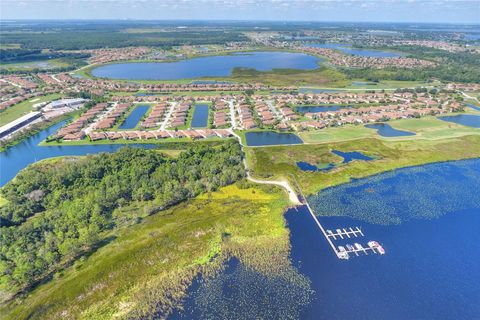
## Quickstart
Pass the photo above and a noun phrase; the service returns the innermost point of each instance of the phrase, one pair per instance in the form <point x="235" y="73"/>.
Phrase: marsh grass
<point x="280" y="161"/>
<point x="145" y="271"/>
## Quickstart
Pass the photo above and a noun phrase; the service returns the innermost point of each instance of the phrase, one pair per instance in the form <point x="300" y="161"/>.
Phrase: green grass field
<point x="280" y="161"/>
<point x="149" y="266"/>
<point x="22" y="108"/>
<point x="425" y="128"/>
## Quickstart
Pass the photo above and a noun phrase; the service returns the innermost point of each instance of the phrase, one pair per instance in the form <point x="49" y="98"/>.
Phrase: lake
<point x="200" y="116"/>
<point x="385" y="130"/>
<point x="268" y="138"/>
<point x="134" y="117"/>
<point x="347" y="49"/>
<point x="468" y="120"/>
<point x="214" y="66"/>
<point x="27" y="152"/>
<point x="431" y="269"/>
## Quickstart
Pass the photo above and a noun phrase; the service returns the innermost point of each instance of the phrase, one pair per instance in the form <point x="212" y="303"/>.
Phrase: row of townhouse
<point x="74" y="131"/>
<point x="112" y="116"/>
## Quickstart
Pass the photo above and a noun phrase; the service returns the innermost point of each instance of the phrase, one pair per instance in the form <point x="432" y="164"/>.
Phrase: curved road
<point x="292" y="195"/>
<point x="284" y="184"/>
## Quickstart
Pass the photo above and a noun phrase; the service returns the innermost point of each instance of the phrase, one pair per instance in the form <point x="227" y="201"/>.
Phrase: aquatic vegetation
<point x="146" y="269"/>
<point x="404" y="194"/>
<point x="241" y="292"/>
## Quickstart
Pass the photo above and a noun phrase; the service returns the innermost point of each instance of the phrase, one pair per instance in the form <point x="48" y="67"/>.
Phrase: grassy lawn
<point x="425" y="128"/>
<point x="22" y="108"/>
<point x="347" y="132"/>
<point x="280" y="162"/>
<point x="148" y="267"/>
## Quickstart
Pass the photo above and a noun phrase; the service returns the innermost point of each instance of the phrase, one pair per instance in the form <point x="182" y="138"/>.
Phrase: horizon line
<point x="235" y="20"/>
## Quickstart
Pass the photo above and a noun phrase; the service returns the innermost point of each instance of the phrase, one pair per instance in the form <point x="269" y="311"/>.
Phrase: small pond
<point x="134" y="117"/>
<point x="200" y="116"/>
<point x="347" y="157"/>
<point x="386" y="130"/>
<point x="468" y="120"/>
<point x="269" y="138"/>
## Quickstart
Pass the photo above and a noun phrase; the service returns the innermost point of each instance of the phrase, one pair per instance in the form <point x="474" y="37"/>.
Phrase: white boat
<point x="342" y="254"/>
<point x="375" y="245"/>
<point x="358" y="246"/>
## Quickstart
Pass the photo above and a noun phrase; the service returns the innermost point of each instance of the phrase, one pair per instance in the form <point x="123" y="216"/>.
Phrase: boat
<point x="350" y="247"/>
<point x="358" y="246"/>
<point x="375" y="245"/>
<point x="342" y="254"/>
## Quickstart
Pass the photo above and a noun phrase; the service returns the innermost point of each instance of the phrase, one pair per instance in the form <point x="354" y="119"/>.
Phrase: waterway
<point x="28" y="151"/>
<point x="268" y="138"/>
<point x="214" y="66"/>
<point x="200" y="116"/>
<point x="134" y="117"/>
<point x="385" y="130"/>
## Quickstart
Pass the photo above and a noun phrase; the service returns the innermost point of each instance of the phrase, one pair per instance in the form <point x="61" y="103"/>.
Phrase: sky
<point x="449" y="11"/>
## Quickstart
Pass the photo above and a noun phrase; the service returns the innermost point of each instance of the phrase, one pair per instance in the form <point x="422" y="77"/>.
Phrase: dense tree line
<point x="94" y="39"/>
<point x="26" y="55"/>
<point x="59" y="210"/>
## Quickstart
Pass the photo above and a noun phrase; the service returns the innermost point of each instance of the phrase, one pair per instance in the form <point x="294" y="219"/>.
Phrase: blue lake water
<point x="426" y="218"/>
<point x="472" y="36"/>
<point x="200" y="116"/>
<point x="347" y="157"/>
<point x="473" y="106"/>
<point x="27" y="152"/>
<point x="431" y="269"/>
<point x="315" y="109"/>
<point x="386" y="130"/>
<point x="134" y="117"/>
<point x="215" y="66"/>
<point x="363" y="83"/>
<point x="345" y="48"/>
<point x="305" y="166"/>
<point x="468" y="120"/>
<point x="267" y="138"/>
<point x="350" y="156"/>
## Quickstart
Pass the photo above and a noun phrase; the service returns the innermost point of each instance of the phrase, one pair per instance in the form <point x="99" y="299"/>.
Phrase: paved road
<point x="292" y="195"/>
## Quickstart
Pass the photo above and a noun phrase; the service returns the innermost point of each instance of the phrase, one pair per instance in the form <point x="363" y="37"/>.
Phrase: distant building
<point x="19" y="123"/>
<point x="67" y="103"/>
